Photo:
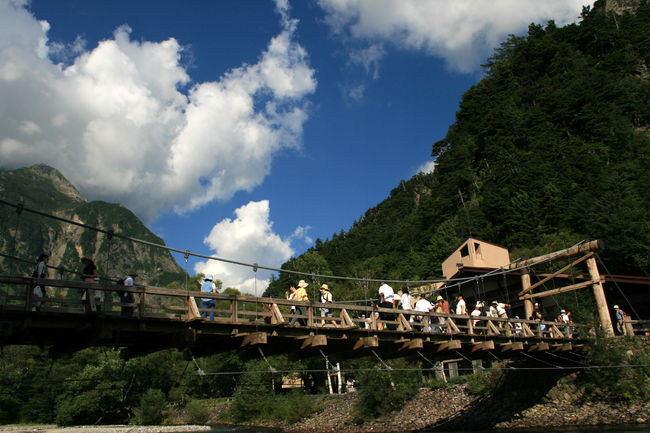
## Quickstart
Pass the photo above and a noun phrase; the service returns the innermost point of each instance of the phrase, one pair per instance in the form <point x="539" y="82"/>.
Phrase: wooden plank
<point x="414" y="343"/>
<point x="366" y="342"/>
<point x="276" y="315"/>
<point x="451" y="327"/>
<point x="556" y="273"/>
<point x="483" y="345"/>
<point x="560" y="290"/>
<point x="508" y="347"/>
<point x="555" y="332"/>
<point x="254" y="339"/>
<point x="492" y="329"/>
<point x="192" y="310"/>
<point x="234" y="311"/>
<point x="448" y="345"/>
<point x="314" y="341"/>
<point x="558" y="255"/>
<point x="561" y="347"/>
<point x="346" y="321"/>
<point x="538" y="347"/>
<point x="526" y="330"/>
<point x="404" y="324"/>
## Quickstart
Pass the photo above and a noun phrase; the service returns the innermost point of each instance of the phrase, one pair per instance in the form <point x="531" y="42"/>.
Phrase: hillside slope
<point x="25" y="235"/>
<point x="551" y="147"/>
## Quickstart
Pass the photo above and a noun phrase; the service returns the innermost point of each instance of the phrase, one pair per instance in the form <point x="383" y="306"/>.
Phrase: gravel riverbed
<point x="102" y="429"/>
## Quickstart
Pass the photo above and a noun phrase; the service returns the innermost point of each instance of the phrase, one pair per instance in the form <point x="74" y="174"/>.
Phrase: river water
<point x="569" y="429"/>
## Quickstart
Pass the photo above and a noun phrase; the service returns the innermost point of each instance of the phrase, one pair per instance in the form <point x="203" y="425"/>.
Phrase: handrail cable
<point x="343" y="370"/>
<point x="460" y="281"/>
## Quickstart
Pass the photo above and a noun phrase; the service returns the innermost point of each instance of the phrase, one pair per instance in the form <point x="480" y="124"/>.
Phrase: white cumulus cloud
<point x="463" y="32"/>
<point x="248" y="238"/>
<point x="118" y="123"/>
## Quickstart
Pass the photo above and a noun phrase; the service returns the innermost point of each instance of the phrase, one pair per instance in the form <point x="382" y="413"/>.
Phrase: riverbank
<point x="454" y="409"/>
<point x="102" y="429"/>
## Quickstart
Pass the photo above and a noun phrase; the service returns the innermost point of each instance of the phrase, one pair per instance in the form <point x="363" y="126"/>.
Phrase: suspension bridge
<point x="156" y="318"/>
<point x="143" y="319"/>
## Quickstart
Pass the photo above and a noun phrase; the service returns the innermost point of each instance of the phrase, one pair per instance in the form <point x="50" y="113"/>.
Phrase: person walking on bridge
<point x="301" y="295"/>
<point x="89" y="275"/>
<point x="386" y="300"/>
<point x="40" y="272"/>
<point x="461" y="306"/>
<point x="208" y="286"/>
<point x="128" y="297"/>
<point x="620" y="318"/>
<point x="424" y="306"/>
<point x="326" y="298"/>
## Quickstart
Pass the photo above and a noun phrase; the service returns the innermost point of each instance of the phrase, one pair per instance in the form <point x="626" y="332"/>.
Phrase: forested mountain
<point x="24" y="235"/>
<point x="551" y="147"/>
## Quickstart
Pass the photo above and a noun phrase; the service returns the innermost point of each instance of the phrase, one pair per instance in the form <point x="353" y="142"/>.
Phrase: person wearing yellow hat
<point x="325" y="298"/>
<point x="300" y="294"/>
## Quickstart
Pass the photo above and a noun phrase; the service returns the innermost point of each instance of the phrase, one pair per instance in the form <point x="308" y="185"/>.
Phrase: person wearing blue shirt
<point x="208" y="286"/>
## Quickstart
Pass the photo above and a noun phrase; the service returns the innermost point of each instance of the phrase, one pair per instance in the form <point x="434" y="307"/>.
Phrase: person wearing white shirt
<point x="498" y="309"/>
<point x="476" y="313"/>
<point x="386" y="294"/>
<point x="423" y="306"/>
<point x="461" y="307"/>
<point x="386" y="298"/>
<point x="405" y="302"/>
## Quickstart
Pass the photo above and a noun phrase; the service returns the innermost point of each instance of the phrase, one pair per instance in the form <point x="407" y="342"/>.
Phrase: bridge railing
<point x="636" y="327"/>
<point x="152" y="302"/>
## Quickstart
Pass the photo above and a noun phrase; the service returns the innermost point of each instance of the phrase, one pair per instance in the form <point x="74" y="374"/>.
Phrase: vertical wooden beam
<point x="141" y="304"/>
<point x="599" y="294"/>
<point x="525" y="285"/>
<point x="234" y="309"/>
<point x="627" y="326"/>
<point x="29" y="295"/>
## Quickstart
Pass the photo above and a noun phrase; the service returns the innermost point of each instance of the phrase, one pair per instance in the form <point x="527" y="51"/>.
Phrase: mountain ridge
<point x="26" y="235"/>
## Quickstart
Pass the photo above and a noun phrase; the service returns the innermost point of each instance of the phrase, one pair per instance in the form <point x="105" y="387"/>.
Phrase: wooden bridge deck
<point x="164" y="318"/>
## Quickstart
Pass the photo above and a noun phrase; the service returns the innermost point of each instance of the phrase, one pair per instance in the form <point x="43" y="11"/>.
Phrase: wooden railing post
<point x="310" y="315"/>
<point x="141" y="302"/>
<point x="627" y="326"/>
<point x="29" y="295"/>
<point x="234" y="309"/>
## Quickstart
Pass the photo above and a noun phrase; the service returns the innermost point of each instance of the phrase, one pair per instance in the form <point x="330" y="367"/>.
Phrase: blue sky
<point x="245" y="129"/>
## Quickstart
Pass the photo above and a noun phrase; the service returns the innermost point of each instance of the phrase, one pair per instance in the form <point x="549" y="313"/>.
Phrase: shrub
<point x="9" y="408"/>
<point x="484" y="383"/>
<point x="435" y="383"/>
<point x="150" y="410"/>
<point x="254" y="395"/>
<point x="622" y="370"/>
<point x="294" y="406"/>
<point x="382" y="391"/>
<point x="196" y="412"/>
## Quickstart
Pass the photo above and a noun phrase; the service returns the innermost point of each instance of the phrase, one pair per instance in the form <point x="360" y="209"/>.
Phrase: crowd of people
<point x="419" y="303"/>
<point x="88" y="274"/>
<point x="388" y="299"/>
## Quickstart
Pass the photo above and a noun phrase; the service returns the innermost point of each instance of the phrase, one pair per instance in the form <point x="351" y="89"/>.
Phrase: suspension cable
<point x="20" y="208"/>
